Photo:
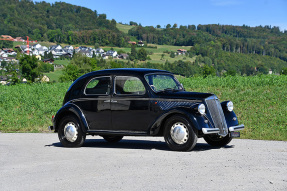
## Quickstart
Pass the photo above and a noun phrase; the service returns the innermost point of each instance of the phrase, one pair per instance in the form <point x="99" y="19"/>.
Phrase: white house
<point x="35" y="52"/>
<point x="56" y="47"/>
<point x="36" y="46"/>
<point x="69" y="49"/>
<point x="111" y="53"/>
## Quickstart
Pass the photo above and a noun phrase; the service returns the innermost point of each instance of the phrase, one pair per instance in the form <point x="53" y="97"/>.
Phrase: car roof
<point x="126" y="71"/>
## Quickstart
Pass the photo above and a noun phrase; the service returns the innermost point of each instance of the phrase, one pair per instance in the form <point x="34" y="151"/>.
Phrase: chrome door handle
<point x="107" y="101"/>
<point x="113" y="101"/>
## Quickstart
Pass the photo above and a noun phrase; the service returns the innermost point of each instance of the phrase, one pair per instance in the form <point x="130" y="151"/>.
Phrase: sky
<point x="191" y="12"/>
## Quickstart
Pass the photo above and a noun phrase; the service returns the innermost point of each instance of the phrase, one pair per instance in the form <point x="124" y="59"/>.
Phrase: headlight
<point x="201" y="109"/>
<point x="229" y="106"/>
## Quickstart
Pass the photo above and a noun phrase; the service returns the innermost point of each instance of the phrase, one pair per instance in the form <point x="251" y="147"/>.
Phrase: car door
<point x="130" y="105"/>
<point x="95" y="103"/>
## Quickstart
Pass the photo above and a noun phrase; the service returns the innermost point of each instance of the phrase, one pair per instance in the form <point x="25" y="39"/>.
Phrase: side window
<point x="100" y="85"/>
<point x="129" y="85"/>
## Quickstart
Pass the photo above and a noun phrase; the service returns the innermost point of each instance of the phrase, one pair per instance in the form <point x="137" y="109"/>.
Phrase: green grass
<point x="29" y="108"/>
<point x="54" y="76"/>
<point x="124" y="28"/>
<point x="62" y="62"/>
<point x="260" y="103"/>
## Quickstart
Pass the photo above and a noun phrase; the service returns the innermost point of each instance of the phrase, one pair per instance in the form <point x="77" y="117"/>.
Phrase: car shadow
<point x="139" y="144"/>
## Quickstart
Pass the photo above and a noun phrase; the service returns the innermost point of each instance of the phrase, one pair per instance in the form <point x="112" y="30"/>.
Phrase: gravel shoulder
<point x="39" y="162"/>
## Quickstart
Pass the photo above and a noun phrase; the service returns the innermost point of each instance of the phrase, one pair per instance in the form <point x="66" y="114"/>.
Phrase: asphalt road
<point x="39" y="162"/>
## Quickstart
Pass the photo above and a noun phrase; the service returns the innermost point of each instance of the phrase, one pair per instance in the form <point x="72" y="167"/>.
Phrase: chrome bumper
<point x="51" y="128"/>
<point x="217" y="130"/>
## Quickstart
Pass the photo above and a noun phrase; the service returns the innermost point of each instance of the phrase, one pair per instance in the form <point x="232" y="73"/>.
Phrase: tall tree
<point x="142" y="54"/>
<point x="28" y="66"/>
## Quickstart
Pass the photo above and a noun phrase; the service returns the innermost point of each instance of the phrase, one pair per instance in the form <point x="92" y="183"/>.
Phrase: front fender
<point x="196" y="120"/>
<point x="70" y="109"/>
<point x="231" y="119"/>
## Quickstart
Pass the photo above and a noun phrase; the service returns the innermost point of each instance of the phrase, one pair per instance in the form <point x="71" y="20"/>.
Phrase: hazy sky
<point x="185" y="12"/>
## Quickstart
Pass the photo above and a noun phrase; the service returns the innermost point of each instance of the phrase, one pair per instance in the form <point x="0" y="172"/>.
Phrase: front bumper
<point x="217" y="130"/>
<point x="51" y="128"/>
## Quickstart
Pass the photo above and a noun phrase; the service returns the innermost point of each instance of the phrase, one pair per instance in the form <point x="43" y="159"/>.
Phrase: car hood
<point x="184" y="95"/>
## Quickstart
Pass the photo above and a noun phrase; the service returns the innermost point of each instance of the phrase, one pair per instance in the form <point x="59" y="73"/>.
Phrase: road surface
<point x="39" y="162"/>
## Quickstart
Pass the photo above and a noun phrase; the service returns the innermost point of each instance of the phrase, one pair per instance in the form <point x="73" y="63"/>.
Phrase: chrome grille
<point x="216" y="113"/>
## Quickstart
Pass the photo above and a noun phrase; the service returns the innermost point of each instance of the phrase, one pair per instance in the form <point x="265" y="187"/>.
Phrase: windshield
<point x="163" y="82"/>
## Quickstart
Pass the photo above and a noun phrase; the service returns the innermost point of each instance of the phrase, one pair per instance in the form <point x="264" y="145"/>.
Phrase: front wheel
<point x="112" y="139"/>
<point x="179" y="134"/>
<point x="218" y="141"/>
<point x="70" y="133"/>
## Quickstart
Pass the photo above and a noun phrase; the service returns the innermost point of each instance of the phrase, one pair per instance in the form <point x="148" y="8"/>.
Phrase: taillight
<point x="53" y="118"/>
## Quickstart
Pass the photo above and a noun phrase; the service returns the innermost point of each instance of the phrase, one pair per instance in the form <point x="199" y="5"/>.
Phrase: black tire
<point x="112" y="139"/>
<point x="217" y="141"/>
<point x="66" y="136"/>
<point x="179" y="134"/>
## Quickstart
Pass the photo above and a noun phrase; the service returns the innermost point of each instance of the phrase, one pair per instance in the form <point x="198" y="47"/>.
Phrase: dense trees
<point x="59" y="22"/>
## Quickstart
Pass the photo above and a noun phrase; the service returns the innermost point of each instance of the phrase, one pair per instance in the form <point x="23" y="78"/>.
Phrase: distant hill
<point x="59" y="22"/>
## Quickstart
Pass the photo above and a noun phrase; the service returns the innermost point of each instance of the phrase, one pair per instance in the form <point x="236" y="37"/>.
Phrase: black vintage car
<point x="142" y="102"/>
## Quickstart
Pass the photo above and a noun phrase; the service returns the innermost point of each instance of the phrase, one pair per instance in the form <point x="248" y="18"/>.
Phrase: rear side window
<point x="125" y="85"/>
<point x="98" y="86"/>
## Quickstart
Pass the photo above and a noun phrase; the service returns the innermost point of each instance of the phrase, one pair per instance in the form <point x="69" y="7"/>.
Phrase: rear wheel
<point x="112" y="139"/>
<point x="179" y="134"/>
<point x="218" y="141"/>
<point x="70" y="133"/>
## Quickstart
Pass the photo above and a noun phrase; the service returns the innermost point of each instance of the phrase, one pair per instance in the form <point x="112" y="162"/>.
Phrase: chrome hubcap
<point x="179" y="133"/>
<point x="70" y="132"/>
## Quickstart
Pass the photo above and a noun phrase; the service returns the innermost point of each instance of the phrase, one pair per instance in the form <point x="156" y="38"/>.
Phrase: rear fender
<point x="70" y="109"/>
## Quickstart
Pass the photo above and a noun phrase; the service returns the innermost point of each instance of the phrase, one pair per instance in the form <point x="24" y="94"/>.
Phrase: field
<point x="260" y="103"/>
<point x="124" y="28"/>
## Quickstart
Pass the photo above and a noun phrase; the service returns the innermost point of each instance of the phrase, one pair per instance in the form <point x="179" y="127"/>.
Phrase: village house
<point x="69" y="49"/>
<point x="48" y="60"/>
<point x="86" y="53"/>
<point x="55" y="47"/>
<point x="123" y="56"/>
<point x="36" y="46"/>
<point x="132" y="42"/>
<point x="140" y="43"/>
<point x="111" y="53"/>
<point x="181" y="51"/>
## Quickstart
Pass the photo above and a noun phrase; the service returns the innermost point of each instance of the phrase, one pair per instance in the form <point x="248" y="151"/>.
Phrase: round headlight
<point x="201" y="109"/>
<point x="229" y="106"/>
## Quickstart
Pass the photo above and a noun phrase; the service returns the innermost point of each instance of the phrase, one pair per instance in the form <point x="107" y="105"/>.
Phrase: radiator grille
<point x="216" y="113"/>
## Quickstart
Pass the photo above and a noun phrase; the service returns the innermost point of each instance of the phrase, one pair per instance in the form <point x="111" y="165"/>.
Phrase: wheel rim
<point x="179" y="133"/>
<point x="71" y="132"/>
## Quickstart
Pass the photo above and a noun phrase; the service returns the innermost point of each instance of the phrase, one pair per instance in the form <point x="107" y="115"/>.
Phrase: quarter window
<point x="99" y="85"/>
<point x="129" y="85"/>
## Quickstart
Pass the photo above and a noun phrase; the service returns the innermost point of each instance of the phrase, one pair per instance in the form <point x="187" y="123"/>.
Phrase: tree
<point x="158" y="26"/>
<point x="168" y="26"/>
<point x="172" y="54"/>
<point x="70" y="73"/>
<point x="133" y="54"/>
<point x="208" y="71"/>
<point x="174" y="25"/>
<point x="284" y="71"/>
<point x="28" y="66"/>
<point x="97" y="45"/>
<point x="142" y="54"/>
